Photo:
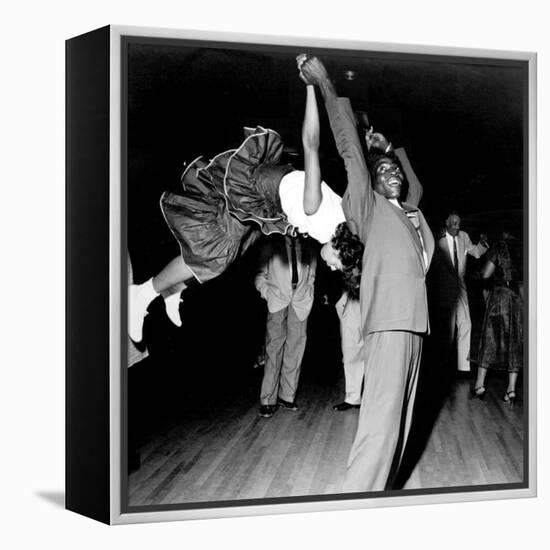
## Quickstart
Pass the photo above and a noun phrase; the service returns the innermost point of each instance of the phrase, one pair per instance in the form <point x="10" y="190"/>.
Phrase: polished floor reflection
<point x="222" y="450"/>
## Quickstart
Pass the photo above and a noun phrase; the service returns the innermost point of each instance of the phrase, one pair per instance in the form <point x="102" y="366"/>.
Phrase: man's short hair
<point x="453" y="213"/>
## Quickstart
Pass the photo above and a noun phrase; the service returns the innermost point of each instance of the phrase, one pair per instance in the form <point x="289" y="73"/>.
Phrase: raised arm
<point x="475" y="250"/>
<point x="359" y="193"/>
<point x="488" y="270"/>
<point x="379" y="141"/>
<point x="310" y="141"/>
<point x="416" y="190"/>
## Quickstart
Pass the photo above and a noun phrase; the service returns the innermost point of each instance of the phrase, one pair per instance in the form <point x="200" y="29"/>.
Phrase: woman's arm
<point x="310" y="142"/>
<point x="488" y="270"/>
<point x="359" y="193"/>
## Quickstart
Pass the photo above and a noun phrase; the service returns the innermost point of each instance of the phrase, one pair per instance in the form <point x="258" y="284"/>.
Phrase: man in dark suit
<point x="394" y="312"/>
<point x="351" y="336"/>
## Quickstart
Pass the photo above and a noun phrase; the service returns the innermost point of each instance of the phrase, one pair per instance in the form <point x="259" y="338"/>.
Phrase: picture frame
<point x="109" y="72"/>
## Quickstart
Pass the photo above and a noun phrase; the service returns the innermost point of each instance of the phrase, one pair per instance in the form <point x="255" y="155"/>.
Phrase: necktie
<point x="294" y="266"/>
<point x="455" y="254"/>
<point x="413" y="218"/>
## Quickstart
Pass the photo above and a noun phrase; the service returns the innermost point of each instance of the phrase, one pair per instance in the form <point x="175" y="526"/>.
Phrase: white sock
<point x="172" y="305"/>
<point x="139" y="298"/>
<point x="146" y="291"/>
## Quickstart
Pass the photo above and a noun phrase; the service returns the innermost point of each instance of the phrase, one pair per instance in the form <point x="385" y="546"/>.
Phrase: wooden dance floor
<point x="222" y="450"/>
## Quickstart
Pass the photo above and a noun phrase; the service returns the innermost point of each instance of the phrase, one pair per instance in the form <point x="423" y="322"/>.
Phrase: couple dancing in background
<point x="382" y="246"/>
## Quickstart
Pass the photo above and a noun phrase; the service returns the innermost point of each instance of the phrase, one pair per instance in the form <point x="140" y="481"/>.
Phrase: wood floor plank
<point x="225" y="451"/>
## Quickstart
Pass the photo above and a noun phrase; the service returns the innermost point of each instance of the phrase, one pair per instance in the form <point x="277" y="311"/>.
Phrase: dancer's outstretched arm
<point x="359" y="194"/>
<point x="310" y="141"/>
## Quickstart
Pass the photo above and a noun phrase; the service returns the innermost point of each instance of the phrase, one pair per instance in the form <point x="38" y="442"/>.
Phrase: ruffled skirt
<point x="227" y="203"/>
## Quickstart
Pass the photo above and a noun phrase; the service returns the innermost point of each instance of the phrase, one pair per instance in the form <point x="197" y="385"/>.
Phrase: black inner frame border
<point x="126" y="41"/>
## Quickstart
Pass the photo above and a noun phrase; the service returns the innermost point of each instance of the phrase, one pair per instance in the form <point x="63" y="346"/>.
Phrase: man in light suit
<point x="349" y="313"/>
<point x="351" y="335"/>
<point x="450" y="293"/>
<point x="285" y="281"/>
<point x="394" y="311"/>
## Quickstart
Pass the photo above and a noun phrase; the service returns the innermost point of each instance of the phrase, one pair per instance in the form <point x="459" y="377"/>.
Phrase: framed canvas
<point x="172" y="424"/>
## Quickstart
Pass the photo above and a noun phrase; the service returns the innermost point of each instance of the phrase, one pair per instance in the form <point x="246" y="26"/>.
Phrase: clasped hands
<point x="312" y="71"/>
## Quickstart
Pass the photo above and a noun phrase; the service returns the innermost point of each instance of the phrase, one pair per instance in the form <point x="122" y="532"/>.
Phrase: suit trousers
<point x="392" y="360"/>
<point x="462" y="323"/>
<point x="284" y="347"/>
<point x="352" y="349"/>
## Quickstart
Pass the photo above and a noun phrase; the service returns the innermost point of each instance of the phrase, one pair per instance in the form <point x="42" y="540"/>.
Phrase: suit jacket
<point x="274" y="279"/>
<point x="393" y="288"/>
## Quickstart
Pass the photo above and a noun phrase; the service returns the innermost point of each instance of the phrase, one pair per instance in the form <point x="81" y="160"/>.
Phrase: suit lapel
<point x="408" y="224"/>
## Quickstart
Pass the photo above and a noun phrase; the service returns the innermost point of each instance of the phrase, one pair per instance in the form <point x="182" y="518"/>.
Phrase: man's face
<point x="453" y="225"/>
<point x="388" y="178"/>
<point x="331" y="257"/>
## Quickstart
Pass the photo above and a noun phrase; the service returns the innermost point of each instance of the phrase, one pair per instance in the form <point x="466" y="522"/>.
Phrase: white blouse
<point x="322" y="224"/>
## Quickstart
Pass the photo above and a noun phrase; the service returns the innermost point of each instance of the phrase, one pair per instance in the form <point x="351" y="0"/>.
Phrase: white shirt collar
<point x="396" y="203"/>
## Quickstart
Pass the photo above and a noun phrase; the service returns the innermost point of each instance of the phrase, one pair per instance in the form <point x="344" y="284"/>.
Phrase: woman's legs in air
<point x="169" y="282"/>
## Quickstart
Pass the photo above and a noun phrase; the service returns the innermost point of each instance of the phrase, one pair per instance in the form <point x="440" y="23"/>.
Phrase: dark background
<point x="461" y="121"/>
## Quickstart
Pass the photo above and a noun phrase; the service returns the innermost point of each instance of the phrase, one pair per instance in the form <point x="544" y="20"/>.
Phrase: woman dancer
<point x="228" y="202"/>
<point x="501" y="343"/>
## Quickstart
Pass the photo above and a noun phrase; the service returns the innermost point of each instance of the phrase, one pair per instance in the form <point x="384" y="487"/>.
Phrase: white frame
<point x="117" y="517"/>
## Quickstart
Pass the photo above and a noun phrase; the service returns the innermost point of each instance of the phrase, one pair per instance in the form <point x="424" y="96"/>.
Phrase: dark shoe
<point x="463" y="374"/>
<point x="259" y="363"/>
<point x="287" y="405"/>
<point x="344" y="406"/>
<point x="510" y="398"/>
<point x="478" y="393"/>
<point x="267" y="411"/>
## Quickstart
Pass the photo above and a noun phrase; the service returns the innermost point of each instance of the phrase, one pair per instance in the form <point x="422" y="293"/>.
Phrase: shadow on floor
<point x="435" y="382"/>
<point x="53" y="497"/>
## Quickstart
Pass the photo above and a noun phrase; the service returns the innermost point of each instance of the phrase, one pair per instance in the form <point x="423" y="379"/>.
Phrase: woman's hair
<point x="350" y="250"/>
<point x="514" y="249"/>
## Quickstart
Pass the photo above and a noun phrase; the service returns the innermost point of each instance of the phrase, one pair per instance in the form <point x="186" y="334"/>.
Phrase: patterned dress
<point x="501" y="343"/>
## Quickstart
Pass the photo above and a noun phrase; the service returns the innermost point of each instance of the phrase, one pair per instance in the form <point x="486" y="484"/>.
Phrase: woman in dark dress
<point x="501" y="343"/>
<point x="228" y="202"/>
